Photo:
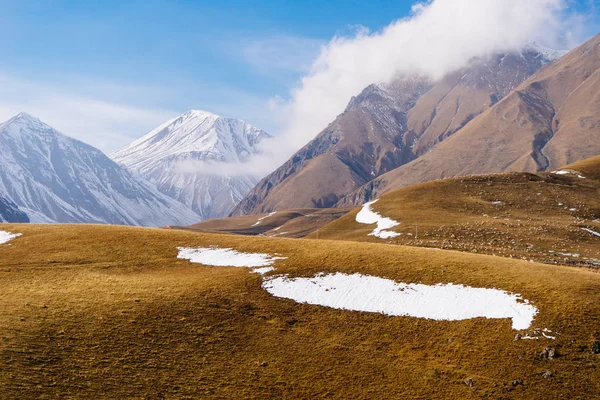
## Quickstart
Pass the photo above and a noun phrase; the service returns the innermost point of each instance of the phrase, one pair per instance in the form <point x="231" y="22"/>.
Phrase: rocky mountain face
<point x="188" y="159"/>
<point x="54" y="178"/>
<point x="388" y="126"/>
<point x="9" y="212"/>
<point x="551" y="119"/>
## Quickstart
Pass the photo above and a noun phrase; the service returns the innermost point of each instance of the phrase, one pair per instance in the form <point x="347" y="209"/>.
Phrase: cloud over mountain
<point x="439" y="36"/>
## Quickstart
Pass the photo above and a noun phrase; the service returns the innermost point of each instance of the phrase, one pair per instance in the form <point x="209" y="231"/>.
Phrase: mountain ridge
<point x="55" y="178"/>
<point x="387" y="126"/>
<point x="550" y="120"/>
<point x="183" y="157"/>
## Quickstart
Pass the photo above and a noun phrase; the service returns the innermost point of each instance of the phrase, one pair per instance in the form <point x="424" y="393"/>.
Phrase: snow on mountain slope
<point x="182" y="158"/>
<point x="55" y="178"/>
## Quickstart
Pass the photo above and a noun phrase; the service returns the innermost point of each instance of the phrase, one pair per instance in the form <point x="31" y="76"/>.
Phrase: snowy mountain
<point x="54" y="178"/>
<point x="9" y="212"/>
<point x="186" y="157"/>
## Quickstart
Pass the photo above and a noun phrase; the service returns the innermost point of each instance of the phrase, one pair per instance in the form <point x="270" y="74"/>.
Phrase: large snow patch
<point x="368" y="216"/>
<point x="372" y="294"/>
<point x="5" y="237"/>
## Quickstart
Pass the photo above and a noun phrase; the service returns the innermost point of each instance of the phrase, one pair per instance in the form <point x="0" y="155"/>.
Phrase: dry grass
<point x="539" y="217"/>
<point x="283" y="224"/>
<point x="109" y="312"/>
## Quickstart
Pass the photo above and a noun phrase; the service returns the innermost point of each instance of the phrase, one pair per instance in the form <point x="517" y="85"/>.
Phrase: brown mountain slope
<point x="541" y="217"/>
<point x="551" y="119"/>
<point x="384" y="127"/>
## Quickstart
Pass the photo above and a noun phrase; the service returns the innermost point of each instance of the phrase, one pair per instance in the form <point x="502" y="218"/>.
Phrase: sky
<point x="107" y="72"/>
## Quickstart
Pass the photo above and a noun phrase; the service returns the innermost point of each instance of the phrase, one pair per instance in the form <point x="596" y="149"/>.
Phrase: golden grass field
<point x="538" y="217"/>
<point x="110" y="312"/>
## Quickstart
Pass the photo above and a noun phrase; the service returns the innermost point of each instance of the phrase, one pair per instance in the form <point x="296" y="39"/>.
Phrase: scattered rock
<point x="469" y="382"/>
<point x="517" y="382"/>
<point x="596" y="348"/>
<point x="547" y="375"/>
<point x="548" y="353"/>
<point x="517" y="338"/>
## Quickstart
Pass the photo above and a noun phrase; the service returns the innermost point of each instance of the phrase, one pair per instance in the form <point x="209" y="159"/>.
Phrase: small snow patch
<point x="568" y="172"/>
<point x="218" y="257"/>
<point x="591" y="231"/>
<point x="545" y="333"/>
<point x="569" y="254"/>
<point x="448" y="302"/>
<point x="368" y="216"/>
<point x="263" y="270"/>
<point x="261" y="219"/>
<point x="496" y="203"/>
<point x="6" y="237"/>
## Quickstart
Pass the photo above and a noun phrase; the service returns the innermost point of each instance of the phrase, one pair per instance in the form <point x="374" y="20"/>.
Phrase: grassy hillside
<point x="110" y="312"/>
<point x="288" y="223"/>
<point x="531" y="216"/>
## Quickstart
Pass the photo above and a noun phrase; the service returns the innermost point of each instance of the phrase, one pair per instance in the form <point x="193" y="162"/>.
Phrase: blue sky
<point x="135" y="63"/>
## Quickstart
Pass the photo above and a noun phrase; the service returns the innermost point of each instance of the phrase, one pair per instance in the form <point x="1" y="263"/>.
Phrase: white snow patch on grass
<point x="448" y="302"/>
<point x="568" y="172"/>
<point x="5" y="237"/>
<point x="262" y="218"/>
<point x="591" y="231"/>
<point x="576" y="255"/>
<point x="263" y="270"/>
<point x="368" y="216"/>
<point x="218" y="257"/>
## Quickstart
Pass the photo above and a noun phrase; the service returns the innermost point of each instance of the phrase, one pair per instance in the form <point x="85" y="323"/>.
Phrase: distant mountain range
<point x="514" y="111"/>
<point x="54" y="178"/>
<point x="532" y="110"/>
<point x="185" y="157"/>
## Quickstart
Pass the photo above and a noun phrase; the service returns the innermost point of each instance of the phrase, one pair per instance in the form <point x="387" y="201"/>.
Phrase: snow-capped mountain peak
<point x="548" y="54"/>
<point x="193" y="138"/>
<point x="54" y="178"/>
<point x="212" y="137"/>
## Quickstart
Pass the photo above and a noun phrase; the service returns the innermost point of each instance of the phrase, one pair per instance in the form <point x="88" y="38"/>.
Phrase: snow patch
<point x="368" y="216"/>
<point x="447" y="302"/>
<point x="591" y="231"/>
<point x="545" y="333"/>
<point x="568" y="172"/>
<point x="263" y="270"/>
<point x="6" y="237"/>
<point x="261" y="219"/>
<point x="219" y="257"/>
<point x="569" y="254"/>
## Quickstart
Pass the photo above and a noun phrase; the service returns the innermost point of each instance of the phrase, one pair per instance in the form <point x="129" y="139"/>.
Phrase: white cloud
<point x="438" y="37"/>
